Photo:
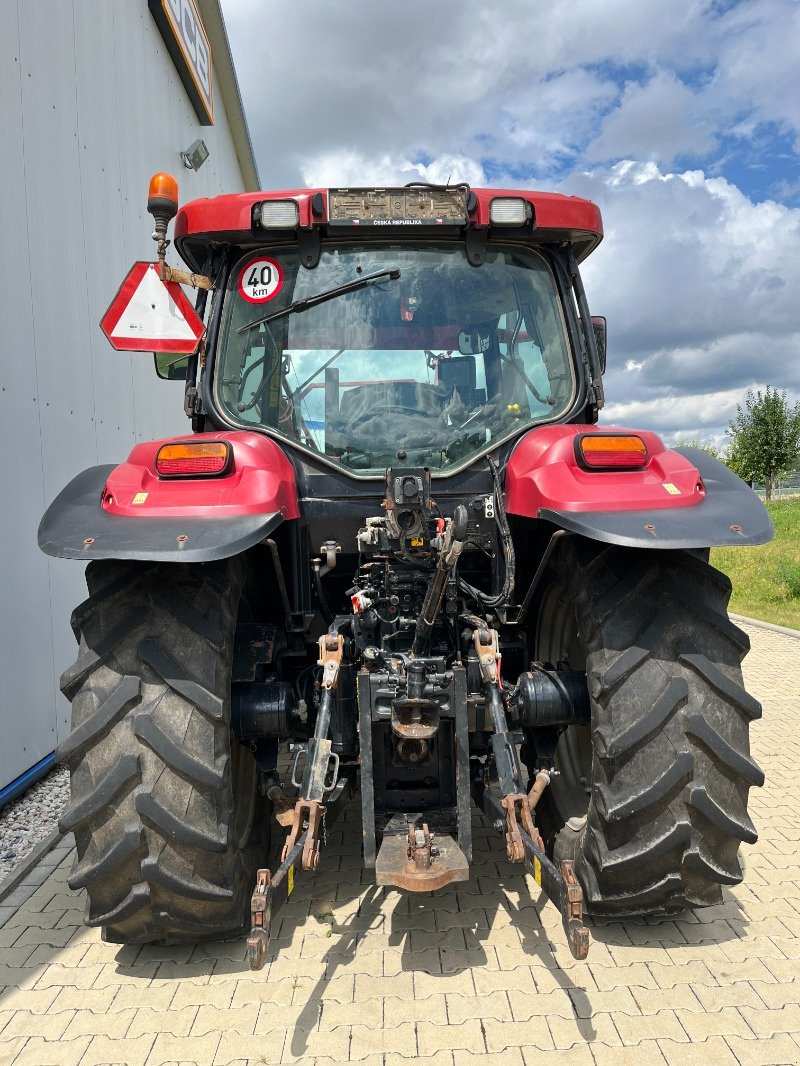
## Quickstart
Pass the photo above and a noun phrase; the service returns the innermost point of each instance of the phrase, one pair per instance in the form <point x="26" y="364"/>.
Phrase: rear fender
<point x="682" y="499"/>
<point x="129" y="512"/>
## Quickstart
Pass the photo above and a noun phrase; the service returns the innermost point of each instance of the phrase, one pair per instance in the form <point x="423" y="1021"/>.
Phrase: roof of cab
<point x="225" y="217"/>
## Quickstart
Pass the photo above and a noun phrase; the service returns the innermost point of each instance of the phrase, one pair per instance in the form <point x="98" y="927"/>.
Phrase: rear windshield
<point x="431" y="367"/>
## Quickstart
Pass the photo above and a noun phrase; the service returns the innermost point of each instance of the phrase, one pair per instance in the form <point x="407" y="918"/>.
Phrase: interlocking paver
<point x="493" y="1005"/>
<point x="476" y="975"/>
<point x="467" y="1035"/>
<point x="48" y="1026"/>
<point x="577" y="1055"/>
<point x="104" y="1050"/>
<point x="647" y="1051"/>
<point x="711" y="1052"/>
<point x="509" y="1057"/>
<point x="169" y="1048"/>
<point x="777" y="1051"/>
<point x="39" y="1052"/>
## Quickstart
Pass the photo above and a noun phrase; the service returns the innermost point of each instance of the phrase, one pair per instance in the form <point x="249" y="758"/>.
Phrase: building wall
<point x="90" y="106"/>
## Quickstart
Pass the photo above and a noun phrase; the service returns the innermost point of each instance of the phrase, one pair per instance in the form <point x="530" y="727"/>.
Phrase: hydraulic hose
<point x="506" y="543"/>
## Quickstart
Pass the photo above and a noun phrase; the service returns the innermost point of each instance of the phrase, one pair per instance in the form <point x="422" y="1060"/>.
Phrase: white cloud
<point x="349" y="167"/>
<point x="521" y="84"/>
<point x="699" y="287"/>
<point x="659" y="120"/>
<point x="688" y="259"/>
<point x="699" y="414"/>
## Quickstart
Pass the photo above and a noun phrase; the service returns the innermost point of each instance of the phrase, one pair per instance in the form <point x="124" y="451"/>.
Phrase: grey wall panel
<point x="90" y="107"/>
<point x="24" y="590"/>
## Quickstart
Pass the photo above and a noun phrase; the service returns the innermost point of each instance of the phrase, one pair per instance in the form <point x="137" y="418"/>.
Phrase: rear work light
<point x="278" y="214"/>
<point x="611" y="451"/>
<point x="191" y="459"/>
<point x="509" y="211"/>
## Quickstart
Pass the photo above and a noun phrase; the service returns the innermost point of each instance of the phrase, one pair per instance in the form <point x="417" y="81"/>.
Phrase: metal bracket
<point x="331" y="650"/>
<point x="572" y="913"/>
<point x="487" y="645"/>
<point x="260" y="918"/>
<point x="311" y="815"/>
<point x="420" y="850"/>
<point x="332" y="774"/>
<point x="517" y="808"/>
<point x="310" y="246"/>
<point x="475" y="240"/>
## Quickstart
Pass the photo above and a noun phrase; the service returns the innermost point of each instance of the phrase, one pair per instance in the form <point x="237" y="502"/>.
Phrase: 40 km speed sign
<point x="260" y="280"/>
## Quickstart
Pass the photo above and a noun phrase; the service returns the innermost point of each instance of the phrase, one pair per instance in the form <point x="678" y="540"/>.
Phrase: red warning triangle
<point x="151" y="315"/>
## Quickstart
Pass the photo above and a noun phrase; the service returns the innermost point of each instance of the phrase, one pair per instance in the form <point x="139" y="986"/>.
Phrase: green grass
<point x="766" y="579"/>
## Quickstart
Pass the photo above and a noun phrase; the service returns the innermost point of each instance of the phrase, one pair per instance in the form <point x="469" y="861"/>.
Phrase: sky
<point x="680" y="120"/>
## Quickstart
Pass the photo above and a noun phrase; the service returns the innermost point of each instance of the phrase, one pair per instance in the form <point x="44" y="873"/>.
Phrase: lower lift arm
<point x="308" y="819"/>
<point x="513" y="809"/>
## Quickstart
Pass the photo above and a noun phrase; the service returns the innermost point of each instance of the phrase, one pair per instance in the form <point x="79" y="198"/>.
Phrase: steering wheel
<point x="389" y="408"/>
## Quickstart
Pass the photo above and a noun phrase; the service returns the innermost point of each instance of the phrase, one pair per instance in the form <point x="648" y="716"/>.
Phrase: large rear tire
<point x="168" y="825"/>
<point x="654" y="794"/>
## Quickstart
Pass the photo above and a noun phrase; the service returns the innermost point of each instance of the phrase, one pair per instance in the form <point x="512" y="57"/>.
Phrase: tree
<point x="695" y="442"/>
<point x="765" y="438"/>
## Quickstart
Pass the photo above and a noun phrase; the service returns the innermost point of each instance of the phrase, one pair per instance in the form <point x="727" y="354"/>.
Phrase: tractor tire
<point x="652" y="798"/>
<point x="168" y="825"/>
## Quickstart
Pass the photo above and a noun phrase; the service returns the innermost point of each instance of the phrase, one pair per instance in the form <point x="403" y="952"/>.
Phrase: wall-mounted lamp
<point x="195" y="155"/>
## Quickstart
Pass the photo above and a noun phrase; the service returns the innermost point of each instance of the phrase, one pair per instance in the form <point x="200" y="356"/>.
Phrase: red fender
<point x="543" y="474"/>
<point x="261" y="480"/>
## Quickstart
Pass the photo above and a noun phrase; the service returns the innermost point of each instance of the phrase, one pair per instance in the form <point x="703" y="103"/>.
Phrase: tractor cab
<point x="356" y="324"/>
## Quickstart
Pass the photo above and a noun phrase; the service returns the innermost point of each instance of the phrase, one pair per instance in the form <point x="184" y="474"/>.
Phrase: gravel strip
<point x="31" y="818"/>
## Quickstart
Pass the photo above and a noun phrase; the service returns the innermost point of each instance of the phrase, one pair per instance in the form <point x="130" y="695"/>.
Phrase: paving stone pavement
<point x="478" y="972"/>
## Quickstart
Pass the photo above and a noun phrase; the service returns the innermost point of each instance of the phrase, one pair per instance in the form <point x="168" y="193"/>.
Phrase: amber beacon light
<point x="162" y="197"/>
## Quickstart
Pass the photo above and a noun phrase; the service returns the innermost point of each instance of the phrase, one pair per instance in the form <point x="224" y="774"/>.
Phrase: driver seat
<point x="458" y="372"/>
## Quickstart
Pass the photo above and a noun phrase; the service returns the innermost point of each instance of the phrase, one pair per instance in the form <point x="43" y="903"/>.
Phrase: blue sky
<point x="681" y="120"/>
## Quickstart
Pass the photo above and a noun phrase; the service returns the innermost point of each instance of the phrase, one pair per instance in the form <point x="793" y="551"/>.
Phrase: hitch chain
<point x="309" y="812"/>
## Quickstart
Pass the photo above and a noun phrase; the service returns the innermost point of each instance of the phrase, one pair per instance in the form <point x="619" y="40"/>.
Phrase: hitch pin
<point x="543" y="778"/>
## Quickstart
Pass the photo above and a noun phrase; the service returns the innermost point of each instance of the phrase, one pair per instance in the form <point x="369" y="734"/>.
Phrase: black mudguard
<point x="731" y="513"/>
<point x="76" y="527"/>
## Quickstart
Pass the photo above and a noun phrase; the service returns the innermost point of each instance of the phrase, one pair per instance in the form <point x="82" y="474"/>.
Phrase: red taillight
<point x="190" y="459"/>
<point x="611" y="451"/>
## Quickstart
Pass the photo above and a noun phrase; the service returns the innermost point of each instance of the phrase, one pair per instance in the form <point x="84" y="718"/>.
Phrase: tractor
<point x="398" y="563"/>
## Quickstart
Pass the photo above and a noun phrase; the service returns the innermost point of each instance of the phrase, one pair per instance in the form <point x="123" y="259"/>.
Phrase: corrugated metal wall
<point x="90" y="106"/>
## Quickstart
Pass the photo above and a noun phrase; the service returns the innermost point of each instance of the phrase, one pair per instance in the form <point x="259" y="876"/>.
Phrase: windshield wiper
<point x="323" y="297"/>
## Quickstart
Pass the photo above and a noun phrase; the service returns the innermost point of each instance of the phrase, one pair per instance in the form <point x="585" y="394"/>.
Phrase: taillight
<point x="194" y="459"/>
<point x="611" y="451"/>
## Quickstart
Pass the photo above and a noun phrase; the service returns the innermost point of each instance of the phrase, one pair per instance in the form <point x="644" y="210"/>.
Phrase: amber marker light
<point x="611" y="451"/>
<point x="191" y="459"/>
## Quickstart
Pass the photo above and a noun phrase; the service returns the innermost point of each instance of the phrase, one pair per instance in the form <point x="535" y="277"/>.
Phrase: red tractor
<point x="397" y="541"/>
